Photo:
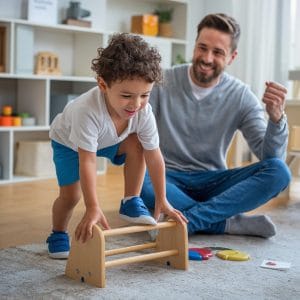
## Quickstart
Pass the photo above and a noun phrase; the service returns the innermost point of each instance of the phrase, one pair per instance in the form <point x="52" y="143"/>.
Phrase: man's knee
<point x="280" y="171"/>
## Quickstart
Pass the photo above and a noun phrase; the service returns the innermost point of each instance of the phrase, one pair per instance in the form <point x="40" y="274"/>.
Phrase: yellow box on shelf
<point x="145" y="24"/>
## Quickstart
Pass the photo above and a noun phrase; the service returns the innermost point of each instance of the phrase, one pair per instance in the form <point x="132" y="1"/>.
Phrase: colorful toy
<point x="223" y="253"/>
<point x="205" y="253"/>
<point x="7" y="110"/>
<point x="194" y="255"/>
<point x="233" y="255"/>
<point x="9" y="118"/>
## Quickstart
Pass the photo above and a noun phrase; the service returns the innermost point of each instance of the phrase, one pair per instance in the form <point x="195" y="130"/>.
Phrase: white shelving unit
<point x="75" y="47"/>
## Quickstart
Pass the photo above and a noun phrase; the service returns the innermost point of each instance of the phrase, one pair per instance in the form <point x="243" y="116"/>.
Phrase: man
<point x="198" y="110"/>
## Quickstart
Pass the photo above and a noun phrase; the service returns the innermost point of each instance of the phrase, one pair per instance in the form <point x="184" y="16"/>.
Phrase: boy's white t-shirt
<point x="85" y="123"/>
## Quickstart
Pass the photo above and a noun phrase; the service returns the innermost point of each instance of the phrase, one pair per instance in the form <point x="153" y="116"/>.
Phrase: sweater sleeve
<point x="265" y="138"/>
<point x="276" y="139"/>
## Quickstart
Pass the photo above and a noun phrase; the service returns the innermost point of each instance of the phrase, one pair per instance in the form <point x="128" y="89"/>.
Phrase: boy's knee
<point x="70" y="197"/>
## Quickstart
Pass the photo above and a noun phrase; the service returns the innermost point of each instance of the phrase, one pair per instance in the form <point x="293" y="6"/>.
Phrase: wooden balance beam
<point x="86" y="262"/>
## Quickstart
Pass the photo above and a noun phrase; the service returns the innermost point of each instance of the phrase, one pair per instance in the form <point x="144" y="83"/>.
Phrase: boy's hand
<point x="90" y="218"/>
<point x="170" y="211"/>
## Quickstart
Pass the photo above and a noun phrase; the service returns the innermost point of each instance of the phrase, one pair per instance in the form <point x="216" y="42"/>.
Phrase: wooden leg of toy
<point x="174" y="238"/>
<point x="86" y="262"/>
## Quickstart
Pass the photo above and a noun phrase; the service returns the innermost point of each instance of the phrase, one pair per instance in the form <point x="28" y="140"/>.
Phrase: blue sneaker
<point x="135" y="211"/>
<point x="58" y="245"/>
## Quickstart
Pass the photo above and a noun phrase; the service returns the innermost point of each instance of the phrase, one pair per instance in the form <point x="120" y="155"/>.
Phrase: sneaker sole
<point x="141" y="220"/>
<point x="59" y="255"/>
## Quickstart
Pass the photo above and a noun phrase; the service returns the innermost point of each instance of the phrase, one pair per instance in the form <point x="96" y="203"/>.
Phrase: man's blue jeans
<point x="208" y="198"/>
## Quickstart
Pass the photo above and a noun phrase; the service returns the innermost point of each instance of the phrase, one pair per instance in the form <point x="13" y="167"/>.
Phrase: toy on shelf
<point x="17" y="121"/>
<point x="47" y="63"/>
<point x="6" y="118"/>
<point x="75" y="13"/>
<point x="7" y="110"/>
<point x="86" y="262"/>
<point x="9" y="118"/>
<point x="27" y="119"/>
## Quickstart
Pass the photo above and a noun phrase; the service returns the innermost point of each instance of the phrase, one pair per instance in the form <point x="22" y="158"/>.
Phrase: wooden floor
<point x="25" y="208"/>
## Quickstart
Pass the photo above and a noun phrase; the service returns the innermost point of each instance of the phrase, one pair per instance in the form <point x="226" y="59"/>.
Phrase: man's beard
<point x="202" y="78"/>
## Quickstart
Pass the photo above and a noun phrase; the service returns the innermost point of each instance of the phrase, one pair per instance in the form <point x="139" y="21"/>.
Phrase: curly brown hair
<point x="127" y="56"/>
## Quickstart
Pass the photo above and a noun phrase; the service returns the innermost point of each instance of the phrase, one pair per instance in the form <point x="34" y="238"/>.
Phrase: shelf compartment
<point x="62" y="92"/>
<point x="36" y="136"/>
<point x="25" y="95"/>
<point x="123" y="10"/>
<point x="75" y="52"/>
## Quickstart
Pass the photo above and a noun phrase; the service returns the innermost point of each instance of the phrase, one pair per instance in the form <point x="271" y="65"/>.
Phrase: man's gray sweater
<point x="195" y="134"/>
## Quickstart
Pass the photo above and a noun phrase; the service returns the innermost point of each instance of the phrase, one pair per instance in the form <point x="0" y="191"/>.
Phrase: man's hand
<point x="90" y="218"/>
<point x="166" y="208"/>
<point x="274" y="98"/>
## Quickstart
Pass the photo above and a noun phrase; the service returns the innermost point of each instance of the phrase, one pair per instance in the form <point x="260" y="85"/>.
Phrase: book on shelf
<point x="78" y="22"/>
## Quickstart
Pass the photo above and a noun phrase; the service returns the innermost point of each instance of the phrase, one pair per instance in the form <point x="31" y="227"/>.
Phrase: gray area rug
<point x="28" y="273"/>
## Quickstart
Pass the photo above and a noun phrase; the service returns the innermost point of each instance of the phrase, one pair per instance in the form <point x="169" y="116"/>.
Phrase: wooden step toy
<point x="87" y="261"/>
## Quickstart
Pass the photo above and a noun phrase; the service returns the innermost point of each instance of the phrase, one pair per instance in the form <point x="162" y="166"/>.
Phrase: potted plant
<point x="165" y="16"/>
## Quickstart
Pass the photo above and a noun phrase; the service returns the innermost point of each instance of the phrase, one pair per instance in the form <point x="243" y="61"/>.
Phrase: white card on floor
<point x="276" y="265"/>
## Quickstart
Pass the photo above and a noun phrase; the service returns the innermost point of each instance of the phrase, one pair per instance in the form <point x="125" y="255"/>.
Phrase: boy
<point x="113" y="120"/>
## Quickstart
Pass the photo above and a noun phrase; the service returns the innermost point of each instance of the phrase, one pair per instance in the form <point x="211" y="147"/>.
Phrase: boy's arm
<point x="93" y="213"/>
<point x="156" y="168"/>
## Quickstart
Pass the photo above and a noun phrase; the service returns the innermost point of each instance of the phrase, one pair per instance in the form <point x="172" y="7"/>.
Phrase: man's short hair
<point x="223" y="23"/>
